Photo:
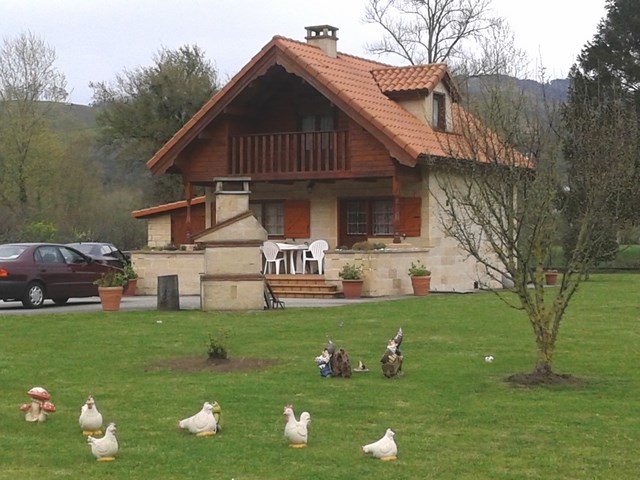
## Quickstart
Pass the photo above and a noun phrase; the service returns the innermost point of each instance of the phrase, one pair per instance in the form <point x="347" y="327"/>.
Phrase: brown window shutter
<point x="410" y="219"/>
<point x="297" y="218"/>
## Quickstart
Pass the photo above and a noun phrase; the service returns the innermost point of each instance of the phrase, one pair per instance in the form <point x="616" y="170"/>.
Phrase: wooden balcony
<point x="308" y="154"/>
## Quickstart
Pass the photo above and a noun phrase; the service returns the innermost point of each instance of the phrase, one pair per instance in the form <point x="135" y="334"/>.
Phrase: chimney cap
<point x="321" y="31"/>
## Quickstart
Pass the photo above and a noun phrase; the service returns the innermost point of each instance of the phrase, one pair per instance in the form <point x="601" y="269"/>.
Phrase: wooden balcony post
<point x="188" y="193"/>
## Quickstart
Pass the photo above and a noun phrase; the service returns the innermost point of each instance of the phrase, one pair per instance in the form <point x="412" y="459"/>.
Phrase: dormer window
<point x="439" y="120"/>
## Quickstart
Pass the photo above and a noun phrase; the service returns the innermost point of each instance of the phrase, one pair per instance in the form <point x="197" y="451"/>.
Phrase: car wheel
<point x="34" y="297"/>
<point x="61" y="301"/>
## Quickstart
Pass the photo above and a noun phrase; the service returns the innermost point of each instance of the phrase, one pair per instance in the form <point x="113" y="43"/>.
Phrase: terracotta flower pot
<point x="130" y="290"/>
<point x="421" y="285"/>
<point x="110" y="298"/>
<point x="551" y="277"/>
<point x="352" y="288"/>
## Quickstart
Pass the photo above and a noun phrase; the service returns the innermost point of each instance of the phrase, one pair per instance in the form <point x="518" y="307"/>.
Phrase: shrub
<point x="216" y="348"/>
<point x="111" y="278"/>
<point x="417" y="269"/>
<point x="366" y="245"/>
<point x="129" y="272"/>
<point x="351" y="272"/>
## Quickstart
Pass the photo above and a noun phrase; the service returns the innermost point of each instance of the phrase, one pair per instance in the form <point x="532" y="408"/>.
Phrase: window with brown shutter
<point x="373" y="217"/>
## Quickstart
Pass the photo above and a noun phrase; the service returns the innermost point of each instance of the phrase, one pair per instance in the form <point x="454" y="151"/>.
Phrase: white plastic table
<point x="293" y="253"/>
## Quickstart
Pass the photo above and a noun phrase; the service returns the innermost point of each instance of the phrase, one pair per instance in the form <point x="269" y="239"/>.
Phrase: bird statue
<point x="105" y="448"/>
<point x="385" y="448"/>
<point x="203" y="423"/>
<point x="296" y="430"/>
<point x="361" y="367"/>
<point x="392" y="358"/>
<point x="39" y="407"/>
<point x="90" y="418"/>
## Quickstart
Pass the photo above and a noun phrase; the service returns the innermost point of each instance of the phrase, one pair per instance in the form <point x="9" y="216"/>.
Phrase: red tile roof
<point x="165" y="207"/>
<point x="414" y="78"/>
<point x="356" y="85"/>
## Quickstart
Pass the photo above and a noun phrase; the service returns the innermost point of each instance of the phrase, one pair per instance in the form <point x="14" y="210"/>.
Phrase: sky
<point x="95" y="40"/>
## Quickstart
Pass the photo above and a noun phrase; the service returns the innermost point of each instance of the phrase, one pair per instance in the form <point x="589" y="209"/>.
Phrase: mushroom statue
<point x="39" y="407"/>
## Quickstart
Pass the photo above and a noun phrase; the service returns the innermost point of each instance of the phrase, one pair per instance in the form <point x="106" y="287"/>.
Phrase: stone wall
<point x="151" y="264"/>
<point x="159" y="230"/>
<point x="386" y="272"/>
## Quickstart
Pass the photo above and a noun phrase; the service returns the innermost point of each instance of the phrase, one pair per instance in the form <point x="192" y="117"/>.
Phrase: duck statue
<point x="385" y="448"/>
<point x="105" y="448"/>
<point x="90" y="418"/>
<point x="203" y="423"/>
<point x="39" y="407"/>
<point x="296" y="430"/>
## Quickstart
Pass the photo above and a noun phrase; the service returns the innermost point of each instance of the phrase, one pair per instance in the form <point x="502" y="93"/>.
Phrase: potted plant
<point x="551" y="276"/>
<point x="132" y="280"/>
<point x="110" y="287"/>
<point x="420" y="278"/>
<point x="351" y="275"/>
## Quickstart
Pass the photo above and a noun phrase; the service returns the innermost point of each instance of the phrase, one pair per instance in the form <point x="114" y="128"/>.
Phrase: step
<point x="309" y="295"/>
<point x="302" y="286"/>
<point x="321" y="290"/>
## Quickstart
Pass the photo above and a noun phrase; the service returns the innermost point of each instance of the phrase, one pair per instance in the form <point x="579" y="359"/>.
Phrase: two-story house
<point x="337" y="147"/>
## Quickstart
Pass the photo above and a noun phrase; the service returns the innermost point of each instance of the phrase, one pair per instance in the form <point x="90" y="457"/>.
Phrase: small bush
<point x="217" y="348"/>
<point x="417" y="269"/>
<point x="351" y="271"/>
<point x="111" y="278"/>
<point x="363" y="246"/>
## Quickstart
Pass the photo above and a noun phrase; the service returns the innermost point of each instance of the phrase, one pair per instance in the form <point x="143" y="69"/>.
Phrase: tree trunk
<point x="545" y="356"/>
<point x="545" y="343"/>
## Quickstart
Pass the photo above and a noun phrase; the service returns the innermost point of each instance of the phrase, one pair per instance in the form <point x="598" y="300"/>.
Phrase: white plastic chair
<point x="315" y="253"/>
<point x="272" y="256"/>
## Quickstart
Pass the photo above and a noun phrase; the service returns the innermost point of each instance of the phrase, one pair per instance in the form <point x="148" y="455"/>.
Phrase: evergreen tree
<point x="602" y="117"/>
<point x="613" y="56"/>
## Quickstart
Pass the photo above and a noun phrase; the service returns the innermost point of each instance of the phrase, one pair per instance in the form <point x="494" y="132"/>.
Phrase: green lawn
<point x="628" y="258"/>
<point x="453" y="414"/>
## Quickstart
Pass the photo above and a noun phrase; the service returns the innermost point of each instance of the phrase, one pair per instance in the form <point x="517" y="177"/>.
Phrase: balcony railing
<point x="290" y="153"/>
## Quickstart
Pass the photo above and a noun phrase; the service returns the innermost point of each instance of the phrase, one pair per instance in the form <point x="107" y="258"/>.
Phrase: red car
<point x="33" y="272"/>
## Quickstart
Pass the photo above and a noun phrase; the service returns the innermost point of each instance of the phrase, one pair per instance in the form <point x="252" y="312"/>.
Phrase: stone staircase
<point x="302" y="286"/>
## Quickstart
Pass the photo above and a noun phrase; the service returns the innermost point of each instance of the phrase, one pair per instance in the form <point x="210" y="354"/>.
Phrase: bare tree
<point x="430" y="31"/>
<point x="28" y="79"/>
<point x="502" y="204"/>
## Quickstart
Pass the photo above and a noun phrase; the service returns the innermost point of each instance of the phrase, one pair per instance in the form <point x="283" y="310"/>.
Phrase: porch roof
<point x="360" y="87"/>
<point x="166" y="207"/>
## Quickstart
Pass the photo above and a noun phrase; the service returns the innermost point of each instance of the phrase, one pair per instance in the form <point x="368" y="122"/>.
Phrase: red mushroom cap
<point x="39" y="393"/>
<point x="25" y="406"/>
<point x="48" y="407"/>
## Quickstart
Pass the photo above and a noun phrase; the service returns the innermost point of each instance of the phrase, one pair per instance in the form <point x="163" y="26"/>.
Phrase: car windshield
<point x="9" y="252"/>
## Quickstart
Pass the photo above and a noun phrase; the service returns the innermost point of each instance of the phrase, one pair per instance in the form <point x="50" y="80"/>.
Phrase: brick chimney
<point x="325" y="37"/>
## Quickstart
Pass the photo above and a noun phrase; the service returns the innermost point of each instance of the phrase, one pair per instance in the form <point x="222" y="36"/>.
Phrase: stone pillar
<point x="232" y="278"/>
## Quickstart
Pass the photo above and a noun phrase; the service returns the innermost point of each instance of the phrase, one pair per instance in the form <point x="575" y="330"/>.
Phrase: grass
<point x="453" y="414"/>
<point x="628" y="258"/>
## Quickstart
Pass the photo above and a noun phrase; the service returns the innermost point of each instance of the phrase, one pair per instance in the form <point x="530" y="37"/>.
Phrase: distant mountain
<point x="68" y="117"/>
<point x="554" y="90"/>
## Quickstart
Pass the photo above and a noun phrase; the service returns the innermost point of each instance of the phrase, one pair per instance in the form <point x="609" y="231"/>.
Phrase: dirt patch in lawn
<point x="198" y="364"/>
<point x="540" y="379"/>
